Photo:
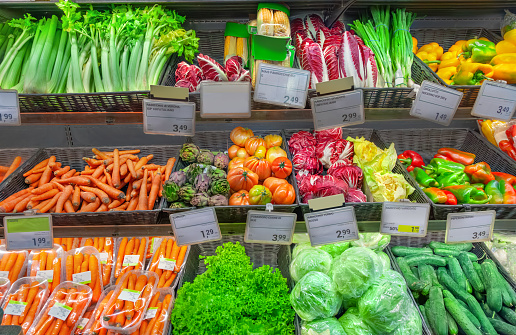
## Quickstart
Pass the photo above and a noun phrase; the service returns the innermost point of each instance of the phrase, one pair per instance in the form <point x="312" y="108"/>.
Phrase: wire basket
<point x="219" y="141"/>
<point x="7" y="156"/>
<point x="73" y="158"/>
<point x="427" y="141"/>
<point x="364" y="211"/>
<point x="446" y="38"/>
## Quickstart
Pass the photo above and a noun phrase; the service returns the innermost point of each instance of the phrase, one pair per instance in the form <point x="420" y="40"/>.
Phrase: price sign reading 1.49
<point x="28" y="232"/>
<point x="168" y="117"/>
<point x="436" y="103"/>
<point x="470" y="227"/>
<point x="495" y="101"/>
<point x="332" y="225"/>
<point x="269" y="227"/>
<point x="196" y="226"/>
<point x="338" y="110"/>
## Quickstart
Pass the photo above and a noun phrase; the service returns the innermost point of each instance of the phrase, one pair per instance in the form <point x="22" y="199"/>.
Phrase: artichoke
<point x="205" y="157"/>
<point x="217" y="173"/>
<point x="192" y="171"/>
<point x="186" y="193"/>
<point x="218" y="200"/>
<point x="170" y="191"/>
<point x="201" y="183"/>
<point x="221" y="161"/>
<point x="178" y="177"/>
<point x="189" y="152"/>
<point x="176" y="205"/>
<point x="200" y="199"/>
<point x="220" y="186"/>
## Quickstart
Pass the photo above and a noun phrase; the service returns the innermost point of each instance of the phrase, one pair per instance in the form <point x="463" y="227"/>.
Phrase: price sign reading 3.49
<point x="197" y="226"/>
<point x="332" y="225"/>
<point x="470" y="227"/>
<point x="168" y="117"/>
<point x="495" y="101"/>
<point x="28" y="232"/>
<point x="338" y="110"/>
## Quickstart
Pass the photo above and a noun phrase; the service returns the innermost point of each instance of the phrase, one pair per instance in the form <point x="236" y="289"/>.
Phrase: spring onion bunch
<point x="121" y="49"/>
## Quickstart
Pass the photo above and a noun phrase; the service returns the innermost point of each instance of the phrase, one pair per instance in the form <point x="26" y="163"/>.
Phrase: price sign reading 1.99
<point x="9" y="108"/>
<point x="495" y="101"/>
<point x="28" y="232"/>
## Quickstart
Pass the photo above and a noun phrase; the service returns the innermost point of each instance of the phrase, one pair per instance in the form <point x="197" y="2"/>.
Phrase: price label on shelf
<point x="270" y="227"/>
<point x="436" y="103"/>
<point x="338" y="110"/>
<point x="28" y="232"/>
<point x="9" y="108"/>
<point x="197" y="226"/>
<point x="278" y="85"/>
<point x="470" y="227"/>
<point x="332" y="225"/>
<point x="165" y="117"/>
<point x="405" y="218"/>
<point x="215" y="97"/>
<point x="495" y="101"/>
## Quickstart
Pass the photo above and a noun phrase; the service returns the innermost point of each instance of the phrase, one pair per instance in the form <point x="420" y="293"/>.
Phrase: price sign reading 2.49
<point x="28" y="232"/>
<point x="196" y="226"/>
<point x="338" y="110"/>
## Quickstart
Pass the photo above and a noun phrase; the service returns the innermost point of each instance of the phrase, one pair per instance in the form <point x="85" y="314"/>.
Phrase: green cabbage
<point x="315" y="297"/>
<point x="374" y="241"/>
<point x="354" y="271"/>
<point x="308" y="260"/>
<point x="385" y="260"/>
<point x="329" y="326"/>
<point x="352" y="324"/>
<point x="300" y="247"/>
<point x="411" y="326"/>
<point x="335" y="249"/>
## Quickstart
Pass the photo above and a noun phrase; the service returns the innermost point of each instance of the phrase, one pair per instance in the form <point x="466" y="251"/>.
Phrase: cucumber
<point x="437" y="311"/>
<point x="400" y="250"/>
<point x="453" y="329"/>
<point x="454" y="253"/>
<point x="469" y="288"/>
<point x="470" y="273"/>
<point x="489" y="312"/>
<point x="423" y="312"/>
<point x="456" y="272"/>
<point x="433" y="275"/>
<point x="462" y="303"/>
<point x="461" y="319"/>
<point x="415" y="271"/>
<point x="455" y="246"/>
<point x="413" y="283"/>
<point x="480" y="274"/>
<point x="464" y="307"/>
<point x="477" y="311"/>
<point x="425" y="276"/>
<point x="494" y="291"/>
<point x="503" y="327"/>
<point x="451" y="285"/>
<point x="509" y="315"/>
<point x="416" y="260"/>
<point x="479" y="296"/>
<point x="508" y="288"/>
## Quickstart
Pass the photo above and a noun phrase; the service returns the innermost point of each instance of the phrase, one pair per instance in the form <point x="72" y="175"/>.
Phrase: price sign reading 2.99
<point x="338" y="110"/>
<point x="332" y="225"/>
<point x="28" y="232"/>
<point x="196" y="226"/>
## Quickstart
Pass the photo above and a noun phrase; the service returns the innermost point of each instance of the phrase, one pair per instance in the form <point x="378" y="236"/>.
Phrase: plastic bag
<point x="308" y="260"/>
<point x="47" y="264"/>
<point x="373" y="241"/>
<point x="24" y="301"/>
<point x="13" y="264"/>
<point x="158" y="312"/>
<point x="5" y="285"/>
<point x="68" y="243"/>
<point x="135" y="290"/>
<point x="335" y="249"/>
<point x="272" y="20"/>
<point x="105" y="247"/>
<point x="353" y="324"/>
<point x="329" y="326"/>
<point x="83" y="267"/>
<point x="508" y="22"/>
<point x="94" y="326"/>
<point x="167" y="261"/>
<point x="386" y="261"/>
<point x="130" y="255"/>
<point x="79" y="330"/>
<point x="66" y="306"/>
<point x="300" y="247"/>
<point x="315" y="297"/>
<point x="413" y="325"/>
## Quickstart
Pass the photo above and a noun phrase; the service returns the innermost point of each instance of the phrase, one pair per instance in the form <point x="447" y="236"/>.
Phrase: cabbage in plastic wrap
<point x="374" y="241"/>
<point x="353" y="324"/>
<point x="354" y="271"/>
<point x="411" y="326"/>
<point x="315" y="297"/>
<point x="308" y="260"/>
<point x="300" y="247"/>
<point x="329" y="326"/>
<point x="335" y="249"/>
<point x="385" y="260"/>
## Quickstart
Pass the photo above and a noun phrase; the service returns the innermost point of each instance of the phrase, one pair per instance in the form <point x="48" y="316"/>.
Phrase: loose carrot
<point x="45" y="177"/>
<point x="99" y="153"/>
<point x="88" y="196"/>
<point x="122" y="207"/>
<point x="41" y="204"/>
<point x="68" y="207"/>
<point x="143" y="199"/>
<point x="132" y="204"/>
<point x="50" y="204"/>
<point x="16" y="162"/>
<point x="98" y="171"/>
<point x="109" y="181"/>
<point x="151" y="166"/>
<point x="130" y="166"/>
<point x="154" y="190"/>
<point x="9" y="206"/>
<point x="22" y="205"/>
<point x="116" y="169"/>
<point x="76" y="197"/>
<point x="40" y="165"/>
<point x="98" y="192"/>
<point x="46" y="195"/>
<point x="54" y="166"/>
<point x="63" y="198"/>
<point x="57" y="185"/>
<point x="124" y="169"/>
<point x="43" y="189"/>
<point x="81" y="181"/>
<point x="62" y="171"/>
<point x="93" y="162"/>
<point x="169" y="167"/>
<point x="112" y="192"/>
<point x="33" y="178"/>
<point x="69" y="174"/>
<point x="102" y="208"/>
<point x="91" y="207"/>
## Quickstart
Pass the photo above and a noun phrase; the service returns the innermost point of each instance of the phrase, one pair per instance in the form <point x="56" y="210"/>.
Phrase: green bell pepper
<point x="440" y="165"/>
<point x="479" y="51"/>
<point x="479" y="185"/>
<point x="493" y="189"/>
<point x="467" y="194"/>
<point x="452" y="178"/>
<point x="423" y="178"/>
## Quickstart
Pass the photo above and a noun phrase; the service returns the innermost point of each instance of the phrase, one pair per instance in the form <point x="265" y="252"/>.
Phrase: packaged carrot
<point x="5" y="285"/>
<point x="63" y="310"/>
<point x="25" y="299"/>
<point x="105" y="246"/>
<point x="81" y="326"/>
<point x="47" y="264"/>
<point x="68" y="243"/>
<point x="13" y="264"/>
<point x="83" y="267"/>
<point x="130" y="255"/>
<point x="153" y="245"/>
<point x="158" y="313"/>
<point x="167" y="261"/>
<point x="94" y="326"/>
<point x="127" y="307"/>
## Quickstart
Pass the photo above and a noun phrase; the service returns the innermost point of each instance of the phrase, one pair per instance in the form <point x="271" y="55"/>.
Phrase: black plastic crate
<point x="7" y="156"/>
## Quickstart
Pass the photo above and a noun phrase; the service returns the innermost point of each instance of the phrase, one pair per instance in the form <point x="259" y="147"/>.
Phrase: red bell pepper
<point x="458" y="156"/>
<point x="412" y="159"/>
<point x="479" y="173"/>
<point x="505" y="176"/>
<point x="508" y="148"/>
<point x="443" y="157"/>
<point x="511" y="133"/>
<point x="451" y="199"/>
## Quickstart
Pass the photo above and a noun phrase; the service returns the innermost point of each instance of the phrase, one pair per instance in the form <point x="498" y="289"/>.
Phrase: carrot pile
<point x="5" y="171"/>
<point x="51" y="319"/>
<point x="83" y="260"/>
<point x="33" y="294"/>
<point x="56" y="188"/>
<point x="166" y="255"/>
<point x="124" y="315"/>
<point x="105" y="246"/>
<point x="126" y="260"/>
<point x="46" y="260"/>
<point x="13" y="262"/>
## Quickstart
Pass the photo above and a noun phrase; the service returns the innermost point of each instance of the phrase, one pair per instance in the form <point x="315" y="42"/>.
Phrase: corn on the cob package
<point x="236" y="41"/>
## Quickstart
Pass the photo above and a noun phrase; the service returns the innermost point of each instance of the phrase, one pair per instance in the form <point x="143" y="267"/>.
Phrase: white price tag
<point x="15" y="307"/>
<point x="436" y="103"/>
<point x="405" y="218"/>
<point x="278" y="85"/>
<point x="28" y="232"/>
<point x="338" y="110"/>
<point x="82" y="277"/>
<point x="4" y="274"/>
<point x="332" y="225"/>
<point x="9" y="108"/>
<point x="131" y="260"/>
<point x="495" y="101"/>
<point x="168" y="117"/>
<point x="166" y="264"/>
<point x="470" y="227"/>
<point x="215" y="97"/>
<point x="151" y="313"/>
<point x="197" y="226"/>
<point x="82" y="323"/>
<point x="270" y="227"/>
<point x="129" y="295"/>
<point x="103" y="257"/>
<point x="60" y="311"/>
<point x="155" y="244"/>
<point x="47" y="275"/>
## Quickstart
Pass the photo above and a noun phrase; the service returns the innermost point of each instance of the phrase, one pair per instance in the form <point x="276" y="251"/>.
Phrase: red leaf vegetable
<point x="351" y="174"/>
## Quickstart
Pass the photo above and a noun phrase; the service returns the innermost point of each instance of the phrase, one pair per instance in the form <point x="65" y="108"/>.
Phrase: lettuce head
<point x="353" y="324"/>
<point x="329" y="326"/>
<point x="308" y="260"/>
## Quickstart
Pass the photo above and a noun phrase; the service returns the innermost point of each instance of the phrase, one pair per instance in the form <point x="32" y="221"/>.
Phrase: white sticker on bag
<point x="129" y="295"/>
<point x="60" y="311"/>
<point x="131" y="260"/>
<point x="82" y="278"/>
<point x="15" y="307"/>
<point x="47" y="275"/>
<point x="103" y="257"/>
<point x="167" y="264"/>
<point x="83" y="323"/>
<point x="151" y="313"/>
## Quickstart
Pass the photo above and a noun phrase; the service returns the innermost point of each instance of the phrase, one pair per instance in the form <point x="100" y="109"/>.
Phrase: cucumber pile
<point x="455" y="292"/>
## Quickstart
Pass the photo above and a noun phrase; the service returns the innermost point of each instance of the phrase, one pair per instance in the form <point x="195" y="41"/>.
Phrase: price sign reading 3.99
<point x="197" y="226"/>
<point x="269" y="227"/>
<point x="495" y="101"/>
<point x="470" y="227"/>
<point x="332" y="225"/>
<point x="28" y="232"/>
<point x="338" y="110"/>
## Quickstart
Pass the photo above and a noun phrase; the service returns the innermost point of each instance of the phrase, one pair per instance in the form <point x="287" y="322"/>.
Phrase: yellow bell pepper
<point x="510" y="36"/>
<point x="505" y="72"/>
<point x="449" y="59"/>
<point x="414" y="45"/>
<point x="457" y="47"/>
<point x="469" y="73"/>
<point x="446" y="73"/>
<point x="504" y="47"/>
<point x="488" y="129"/>
<point x="429" y="58"/>
<point x="504" y="59"/>
<point x="433" y="48"/>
